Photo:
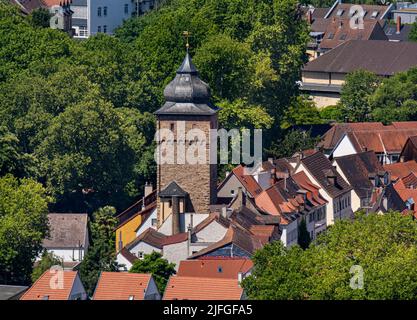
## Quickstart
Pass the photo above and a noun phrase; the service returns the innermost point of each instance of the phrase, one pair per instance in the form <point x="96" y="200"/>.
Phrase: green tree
<point x="412" y="36"/>
<point x="9" y="152"/>
<point x="304" y="238"/>
<point x="159" y="267"/>
<point x="395" y="99"/>
<point x="47" y="261"/>
<point x="382" y="246"/>
<point x="354" y="98"/>
<point x="332" y="113"/>
<point x="301" y="111"/>
<point x="23" y="226"/>
<point x="292" y="142"/>
<point x="100" y="255"/>
<point x="40" y="18"/>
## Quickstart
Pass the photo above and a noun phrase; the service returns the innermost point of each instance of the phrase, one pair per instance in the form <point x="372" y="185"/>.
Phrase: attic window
<point x="374" y="14"/>
<point x="340" y="12"/>
<point x="330" y="36"/>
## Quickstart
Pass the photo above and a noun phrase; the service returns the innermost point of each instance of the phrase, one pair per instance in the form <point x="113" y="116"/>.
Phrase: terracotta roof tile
<point x="401" y="169"/>
<point x="42" y="287"/>
<point x="121" y="286"/>
<point x="199" y="288"/>
<point x="214" y="268"/>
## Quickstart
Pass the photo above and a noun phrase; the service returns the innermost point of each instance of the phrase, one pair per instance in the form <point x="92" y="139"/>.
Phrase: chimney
<point x="224" y="212"/>
<point x="175" y="215"/>
<point x="398" y="24"/>
<point x="239" y="277"/>
<point x="273" y="179"/>
<point x="331" y="177"/>
<point x="148" y="189"/>
<point x="309" y="17"/>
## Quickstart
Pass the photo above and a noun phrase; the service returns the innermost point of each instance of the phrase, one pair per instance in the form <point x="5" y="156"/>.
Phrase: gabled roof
<point x="381" y="57"/>
<point x="42" y="287"/>
<point x="339" y="31"/>
<point x="248" y="181"/>
<point x="151" y="237"/>
<point x="357" y="168"/>
<point x="121" y="286"/>
<point x="319" y="166"/>
<point x="213" y="217"/>
<point x="214" y="268"/>
<point x="199" y="288"/>
<point x="11" y="292"/>
<point x="171" y="190"/>
<point x="67" y="230"/>
<point x="388" y="199"/>
<point x="401" y="169"/>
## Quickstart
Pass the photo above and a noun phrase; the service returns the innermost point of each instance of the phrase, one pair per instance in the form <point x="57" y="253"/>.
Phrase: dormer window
<point x="374" y="14"/>
<point x="340" y="12"/>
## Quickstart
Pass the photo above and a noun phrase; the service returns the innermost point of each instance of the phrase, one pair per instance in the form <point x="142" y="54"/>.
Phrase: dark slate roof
<point x="67" y="230"/>
<point x="173" y="189"/>
<point x="318" y="166"/>
<point x="357" y="168"/>
<point x="384" y="58"/>
<point x="187" y="94"/>
<point x="393" y="200"/>
<point x="11" y="292"/>
<point x="391" y="32"/>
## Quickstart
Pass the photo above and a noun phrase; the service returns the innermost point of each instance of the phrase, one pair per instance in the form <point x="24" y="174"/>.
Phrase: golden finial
<point x="187" y="35"/>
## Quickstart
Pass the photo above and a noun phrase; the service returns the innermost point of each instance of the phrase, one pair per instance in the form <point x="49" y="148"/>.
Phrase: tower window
<point x="99" y="11"/>
<point x="105" y="11"/>
<point x="172" y="126"/>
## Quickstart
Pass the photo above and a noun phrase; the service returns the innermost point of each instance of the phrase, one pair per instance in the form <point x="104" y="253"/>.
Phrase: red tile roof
<point x="42" y="287"/>
<point x="121" y="286"/>
<point x="215" y="268"/>
<point x="401" y="169"/>
<point x="248" y="181"/>
<point x="199" y="288"/>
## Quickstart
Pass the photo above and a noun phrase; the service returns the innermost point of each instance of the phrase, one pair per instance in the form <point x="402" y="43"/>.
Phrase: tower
<point x="187" y="107"/>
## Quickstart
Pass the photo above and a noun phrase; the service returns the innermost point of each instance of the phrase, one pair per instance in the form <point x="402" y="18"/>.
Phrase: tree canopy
<point x="23" y="226"/>
<point x="367" y="258"/>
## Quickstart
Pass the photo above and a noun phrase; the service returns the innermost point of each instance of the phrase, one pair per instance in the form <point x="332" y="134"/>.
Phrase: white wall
<point x="152" y="292"/>
<point x="176" y="252"/>
<point x="344" y="148"/>
<point x="185" y="221"/>
<point x="78" y="291"/>
<point x="148" y="223"/>
<point x="212" y="233"/>
<point x="143" y="247"/>
<point x="121" y="260"/>
<point x="286" y="230"/>
<point x="68" y="255"/>
<point x="114" y="18"/>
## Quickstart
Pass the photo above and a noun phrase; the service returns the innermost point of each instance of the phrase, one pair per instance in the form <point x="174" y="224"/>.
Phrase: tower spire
<point x="187" y="35"/>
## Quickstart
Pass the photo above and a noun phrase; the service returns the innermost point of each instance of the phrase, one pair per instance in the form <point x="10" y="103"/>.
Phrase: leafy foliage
<point x="412" y="36"/>
<point x="354" y="99"/>
<point x="384" y="246"/>
<point x="23" y="226"/>
<point x="47" y="261"/>
<point x="292" y="142"/>
<point x="100" y="255"/>
<point x="303" y="235"/>
<point x="301" y="111"/>
<point x="160" y="268"/>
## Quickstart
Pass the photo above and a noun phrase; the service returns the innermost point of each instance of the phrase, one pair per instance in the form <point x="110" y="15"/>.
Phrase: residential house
<point x="409" y="151"/>
<point x="386" y="141"/>
<point x="126" y="286"/>
<point x="11" y="292"/>
<point x="334" y="189"/>
<point x="407" y="190"/>
<point x="68" y="239"/>
<point x="132" y="218"/>
<point x="216" y="267"/>
<point x="331" y="26"/>
<point x="400" y="170"/>
<point x="364" y="173"/>
<point x="105" y="16"/>
<point x="323" y="78"/>
<point x="56" y="285"/>
<point x="203" y="288"/>
<point x="386" y="199"/>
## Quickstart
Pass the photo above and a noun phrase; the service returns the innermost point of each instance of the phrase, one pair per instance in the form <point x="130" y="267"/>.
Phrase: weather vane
<point x="187" y="35"/>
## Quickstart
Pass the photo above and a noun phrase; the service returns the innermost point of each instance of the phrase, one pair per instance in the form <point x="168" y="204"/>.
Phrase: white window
<point x="154" y="222"/>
